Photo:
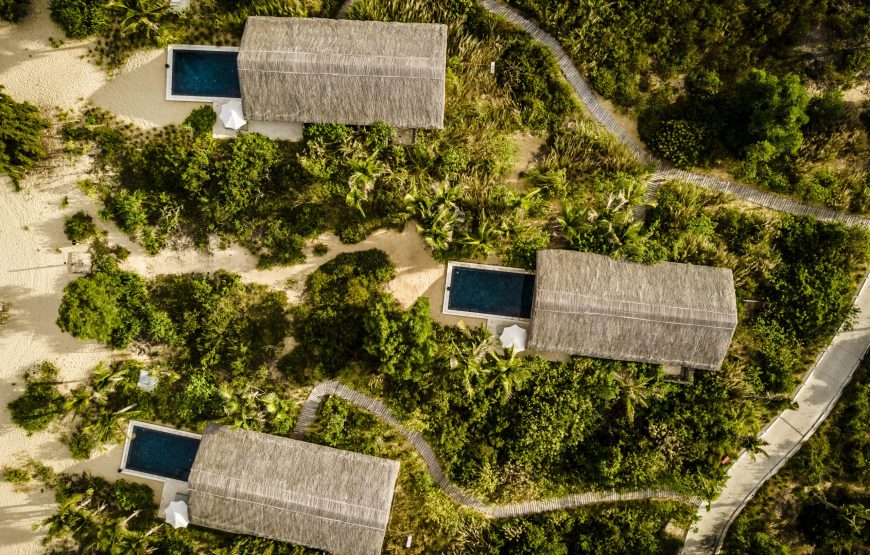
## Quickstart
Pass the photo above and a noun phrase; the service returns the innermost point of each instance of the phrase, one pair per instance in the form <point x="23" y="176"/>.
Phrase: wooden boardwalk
<point x="324" y="389"/>
<point x="606" y="119"/>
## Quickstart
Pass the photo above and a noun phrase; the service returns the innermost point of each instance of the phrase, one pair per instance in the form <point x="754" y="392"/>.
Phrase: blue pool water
<point x="205" y="73"/>
<point x="491" y="292"/>
<point x="161" y="453"/>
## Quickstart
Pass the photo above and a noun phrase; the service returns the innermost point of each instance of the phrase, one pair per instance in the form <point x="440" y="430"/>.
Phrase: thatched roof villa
<point x="667" y="313"/>
<point x="312" y="70"/>
<point x="253" y="483"/>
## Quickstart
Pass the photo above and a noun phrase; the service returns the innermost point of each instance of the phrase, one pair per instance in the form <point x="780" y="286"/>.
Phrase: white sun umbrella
<point x="231" y="114"/>
<point x="176" y="514"/>
<point x="514" y="336"/>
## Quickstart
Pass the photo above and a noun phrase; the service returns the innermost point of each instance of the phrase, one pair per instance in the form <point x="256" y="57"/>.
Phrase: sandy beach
<point x="31" y="69"/>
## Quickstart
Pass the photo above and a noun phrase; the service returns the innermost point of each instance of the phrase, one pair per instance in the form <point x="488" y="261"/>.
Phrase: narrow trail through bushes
<point x="324" y="389"/>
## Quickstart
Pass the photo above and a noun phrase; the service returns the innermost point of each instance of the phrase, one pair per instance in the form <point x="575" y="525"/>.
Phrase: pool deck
<point x="171" y="488"/>
<point x="445" y="307"/>
<point x="169" y="60"/>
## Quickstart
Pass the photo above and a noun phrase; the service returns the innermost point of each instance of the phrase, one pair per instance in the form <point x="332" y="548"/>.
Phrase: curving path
<point x="379" y="409"/>
<point x="600" y="114"/>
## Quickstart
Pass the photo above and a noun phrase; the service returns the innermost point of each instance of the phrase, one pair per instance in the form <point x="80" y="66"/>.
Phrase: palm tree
<point x="279" y="411"/>
<point x="242" y="409"/>
<point x="139" y="15"/>
<point x="70" y="517"/>
<point x="635" y="392"/>
<point x="78" y="402"/>
<point x="509" y="373"/>
<point x="472" y="360"/>
<point x="438" y="231"/>
<point x="108" y="428"/>
<point x="482" y="240"/>
<point x="104" y="379"/>
<point x="753" y="445"/>
<point x="362" y="179"/>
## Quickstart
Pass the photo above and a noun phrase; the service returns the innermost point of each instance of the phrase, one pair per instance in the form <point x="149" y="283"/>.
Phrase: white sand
<point x="30" y="69"/>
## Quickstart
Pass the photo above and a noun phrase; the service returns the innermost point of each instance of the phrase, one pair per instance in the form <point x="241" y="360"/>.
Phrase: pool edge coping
<point x="128" y="435"/>
<point x="185" y="98"/>
<point x="479" y="315"/>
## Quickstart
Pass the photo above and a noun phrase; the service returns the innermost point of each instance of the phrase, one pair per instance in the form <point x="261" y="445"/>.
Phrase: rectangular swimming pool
<point x="202" y="73"/>
<point x="158" y="452"/>
<point x="485" y="291"/>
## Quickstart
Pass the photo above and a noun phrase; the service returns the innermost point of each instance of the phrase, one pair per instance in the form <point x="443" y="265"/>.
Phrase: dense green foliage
<point x="218" y="336"/>
<point x="21" y="129"/>
<point x="633" y="49"/>
<point x="819" y="501"/>
<point x="14" y="10"/>
<point x="107" y="305"/>
<point x="41" y="403"/>
<point x="722" y="84"/>
<point x="441" y="527"/>
<point x="79" y="227"/>
<point x="80" y="19"/>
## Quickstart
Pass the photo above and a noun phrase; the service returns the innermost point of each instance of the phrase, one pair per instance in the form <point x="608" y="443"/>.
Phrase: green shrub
<point x="14" y="10"/>
<point x="523" y="251"/>
<point x="320" y="249"/>
<point x="133" y="497"/>
<point x="20" y="136"/>
<point x="680" y="142"/>
<point x="79" y="227"/>
<point x="79" y="19"/>
<point x="108" y="305"/>
<point x="201" y="120"/>
<point x="329" y="324"/>
<point x="41" y="403"/>
<point x="16" y="475"/>
<point x="379" y="136"/>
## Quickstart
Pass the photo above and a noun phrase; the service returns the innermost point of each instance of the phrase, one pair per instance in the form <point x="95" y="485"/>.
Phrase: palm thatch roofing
<point x="667" y="313"/>
<point x="353" y="72"/>
<point x="253" y="483"/>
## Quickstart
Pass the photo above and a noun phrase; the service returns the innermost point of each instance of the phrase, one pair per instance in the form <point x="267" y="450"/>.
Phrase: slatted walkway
<point x="604" y="117"/>
<point x="379" y="409"/>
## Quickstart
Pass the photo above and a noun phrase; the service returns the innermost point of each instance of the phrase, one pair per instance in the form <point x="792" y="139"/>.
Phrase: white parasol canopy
<point x="514" y="336"/>
<point x="176" y="514"/>
<point x="231" y="114"/>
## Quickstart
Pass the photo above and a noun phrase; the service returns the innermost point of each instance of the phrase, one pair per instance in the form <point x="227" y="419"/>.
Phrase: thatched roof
<point x="667" y="313"/>
<point x="274" y="487"/>
<point x="354" y="72"/>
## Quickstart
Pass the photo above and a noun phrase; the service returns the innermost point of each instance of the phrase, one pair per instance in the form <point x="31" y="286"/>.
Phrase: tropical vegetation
<point x="21" y="137"/>
<point x="14" y="11"/>
<point x="733" y="92"/>
<point x="79" y="227"/>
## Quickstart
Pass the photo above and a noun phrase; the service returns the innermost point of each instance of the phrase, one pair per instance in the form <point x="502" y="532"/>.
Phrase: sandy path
<point x="31" y="69"/>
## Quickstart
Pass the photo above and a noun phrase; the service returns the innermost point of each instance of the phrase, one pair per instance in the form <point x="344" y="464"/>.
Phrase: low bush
<point x="20" y="136"/>
<point x="14" y="11"/>
<point x="16" y="475"/>
<point x="79" y="227"/>
<point x="80" y="19"/>
<point x="41" y="403"/>
<point x="201" y="120"/>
